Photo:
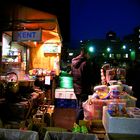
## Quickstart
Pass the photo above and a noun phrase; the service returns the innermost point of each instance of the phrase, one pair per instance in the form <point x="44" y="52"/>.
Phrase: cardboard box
<point x="62" y="93"/>
<point x="120" y="125"/>
<point x="70" y="95"/>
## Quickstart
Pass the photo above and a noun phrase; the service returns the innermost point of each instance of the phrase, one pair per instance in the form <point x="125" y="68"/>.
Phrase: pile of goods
<point x="112" y="73"/>
<point x="120" y="110"/>
<point x="113" y="91"/>
<point x="37" y="93"/>
<point x="116" y="93"/>
<point x="117" y="109"/>
<point x="134" y="112"/>
<point x="40" y="72"/>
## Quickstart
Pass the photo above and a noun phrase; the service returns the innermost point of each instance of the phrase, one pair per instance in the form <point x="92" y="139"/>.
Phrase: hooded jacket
<point x="80" y="70"/>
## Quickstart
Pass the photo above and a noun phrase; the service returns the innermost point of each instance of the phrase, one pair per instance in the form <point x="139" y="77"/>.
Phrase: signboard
<point x="51" y="48"/>
<point x="24" y="35"/>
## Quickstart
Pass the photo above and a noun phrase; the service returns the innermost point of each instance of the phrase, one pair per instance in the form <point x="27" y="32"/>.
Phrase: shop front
<point x="32" y="48"/>
<point x="30" y="57"/>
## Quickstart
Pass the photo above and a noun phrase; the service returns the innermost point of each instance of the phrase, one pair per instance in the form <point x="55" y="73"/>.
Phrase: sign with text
<point x="21" y="36"/>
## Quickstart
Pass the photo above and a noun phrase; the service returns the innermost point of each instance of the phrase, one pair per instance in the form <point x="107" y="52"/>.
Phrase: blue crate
<point x="66" y="103"/>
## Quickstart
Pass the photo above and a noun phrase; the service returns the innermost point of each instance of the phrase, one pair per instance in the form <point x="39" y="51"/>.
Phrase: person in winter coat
<point x="86" y="75"/>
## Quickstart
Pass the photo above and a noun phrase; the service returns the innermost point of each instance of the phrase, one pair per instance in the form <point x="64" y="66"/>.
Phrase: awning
<point x="25" y="18"/>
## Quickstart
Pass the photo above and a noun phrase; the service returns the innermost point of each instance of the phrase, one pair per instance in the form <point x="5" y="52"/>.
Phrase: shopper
<point x="133" y="79"/>
<point x="86" y="75"/>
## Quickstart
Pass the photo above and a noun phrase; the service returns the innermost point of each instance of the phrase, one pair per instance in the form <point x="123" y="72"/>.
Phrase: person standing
<point x="86" y="75"/>
<point x="133" y="79"/>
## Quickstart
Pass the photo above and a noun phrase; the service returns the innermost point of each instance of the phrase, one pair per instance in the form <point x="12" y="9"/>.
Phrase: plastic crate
<point x="66" y="103"/>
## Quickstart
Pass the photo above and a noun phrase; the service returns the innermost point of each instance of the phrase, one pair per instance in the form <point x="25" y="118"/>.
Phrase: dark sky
<point x="94" y="18"/>
<point x="89" y="19"/>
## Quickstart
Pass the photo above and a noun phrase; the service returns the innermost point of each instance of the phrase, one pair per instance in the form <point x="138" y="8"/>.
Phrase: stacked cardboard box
<point x="65" y="98"/>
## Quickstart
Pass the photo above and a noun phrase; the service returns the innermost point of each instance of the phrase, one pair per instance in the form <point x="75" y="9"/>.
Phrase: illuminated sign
<point x="21" y="36"/>
<point x="51" y="48"/>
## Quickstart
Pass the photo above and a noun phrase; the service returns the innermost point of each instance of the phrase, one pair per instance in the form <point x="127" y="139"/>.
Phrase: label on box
<point x="60" y="95"/>
<point x="70" y="95"/>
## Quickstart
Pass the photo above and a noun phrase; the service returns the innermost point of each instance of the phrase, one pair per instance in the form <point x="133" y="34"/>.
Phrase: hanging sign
<point x="24" y="35"/>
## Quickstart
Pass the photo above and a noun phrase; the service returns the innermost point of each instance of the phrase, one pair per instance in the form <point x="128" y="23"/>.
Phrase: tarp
<point x="16" y="134"/>
<point x="52" y="135"/>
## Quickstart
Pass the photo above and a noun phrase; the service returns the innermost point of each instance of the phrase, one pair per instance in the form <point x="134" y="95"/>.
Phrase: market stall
<point x="33" y="43"/>
<point x="113" y="105"/>
<point x="31" y="51"/>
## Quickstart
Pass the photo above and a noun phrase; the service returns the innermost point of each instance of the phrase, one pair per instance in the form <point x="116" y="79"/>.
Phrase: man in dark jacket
<point x="85" y="76"/>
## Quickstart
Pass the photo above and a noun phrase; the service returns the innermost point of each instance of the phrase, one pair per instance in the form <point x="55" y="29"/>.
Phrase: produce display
<point x="115" y="95"/>
<point x="40" y="72"/>
<point x="111" y="91"/>
<point x="117" y="109"/>
<point x="112" y="73"/>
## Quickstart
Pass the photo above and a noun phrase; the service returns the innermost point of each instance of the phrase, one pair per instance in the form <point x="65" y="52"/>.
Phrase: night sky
<point x="92" y="19"/>
<point x="89" y="19"/>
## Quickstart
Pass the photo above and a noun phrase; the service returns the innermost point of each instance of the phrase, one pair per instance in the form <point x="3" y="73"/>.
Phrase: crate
<point x="63" y="93"/>
<point x="66" y="103"/>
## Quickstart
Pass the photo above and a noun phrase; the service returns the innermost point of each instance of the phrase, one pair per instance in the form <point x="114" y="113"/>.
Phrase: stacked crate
<point x="65" y="108"/>
<point x="65" y="98"/>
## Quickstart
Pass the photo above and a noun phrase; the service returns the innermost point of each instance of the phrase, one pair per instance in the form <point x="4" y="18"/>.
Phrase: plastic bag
<point x="88" y="110"/>
<point x="93" y="110"/>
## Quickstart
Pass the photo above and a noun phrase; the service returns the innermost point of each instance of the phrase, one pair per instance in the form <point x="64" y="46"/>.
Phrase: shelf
<point x="7" y="63"/>
<point x="10" y="56"/>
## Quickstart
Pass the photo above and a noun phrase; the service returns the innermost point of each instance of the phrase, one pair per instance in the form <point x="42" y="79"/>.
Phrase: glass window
<point x="118" y="56"/>
<point x="125" y="55"/>
<point x="111" y="56"/>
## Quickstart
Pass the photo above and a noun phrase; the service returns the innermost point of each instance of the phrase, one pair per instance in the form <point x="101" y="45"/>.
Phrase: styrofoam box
<point x="64" y="93"/>
<point x="70" y="95"/>
<point x="120" y="125"/>
<point x="60" y="93"/>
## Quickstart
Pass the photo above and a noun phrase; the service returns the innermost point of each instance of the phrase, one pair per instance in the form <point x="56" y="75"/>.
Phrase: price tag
<point x="47" y="80"/>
